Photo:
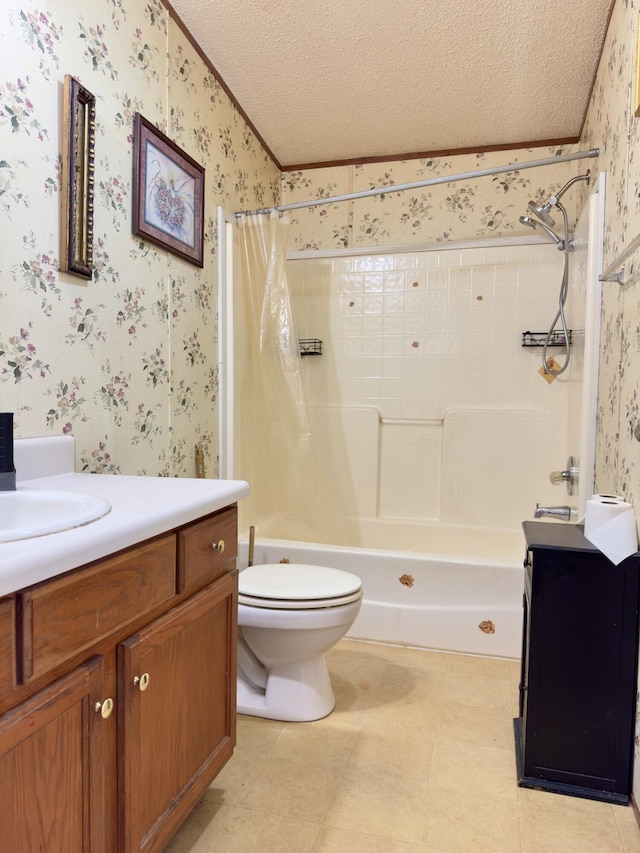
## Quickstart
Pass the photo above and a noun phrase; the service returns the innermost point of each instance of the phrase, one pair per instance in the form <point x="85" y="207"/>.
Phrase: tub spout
<point x="563" y="512"/>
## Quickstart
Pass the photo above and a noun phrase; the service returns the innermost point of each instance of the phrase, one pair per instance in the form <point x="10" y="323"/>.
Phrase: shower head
<point x="542" y="211"/>
<point x="533" y="223"/>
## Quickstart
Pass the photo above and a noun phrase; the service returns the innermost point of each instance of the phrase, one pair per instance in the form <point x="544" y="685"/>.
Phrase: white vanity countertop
<point x="141" y="507"/>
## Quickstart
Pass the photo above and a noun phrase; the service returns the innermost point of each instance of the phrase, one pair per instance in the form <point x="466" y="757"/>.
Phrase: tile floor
<point x="418" y="757"/>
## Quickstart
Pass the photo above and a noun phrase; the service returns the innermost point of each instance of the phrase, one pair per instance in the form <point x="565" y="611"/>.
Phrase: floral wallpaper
<point x="126" y="361"/>
<point x="614" y="128"/>
<point x="480" y="207"/>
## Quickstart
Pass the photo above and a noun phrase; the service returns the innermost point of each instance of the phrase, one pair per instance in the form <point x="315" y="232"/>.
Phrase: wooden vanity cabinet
<point x="52" y="767"/>
<point x="117" y="694"/>
<point x="574" y="733"/>
<point x="176" y="705"/>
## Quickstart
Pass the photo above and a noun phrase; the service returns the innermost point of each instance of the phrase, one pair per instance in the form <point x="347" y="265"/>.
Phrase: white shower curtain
<point x="276" y="453"/>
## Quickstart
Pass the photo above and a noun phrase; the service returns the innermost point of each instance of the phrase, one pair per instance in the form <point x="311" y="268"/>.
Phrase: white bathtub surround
<point x="141" y="507"/>
<point x="495" y="465"/>
<point x="424" y="398"/>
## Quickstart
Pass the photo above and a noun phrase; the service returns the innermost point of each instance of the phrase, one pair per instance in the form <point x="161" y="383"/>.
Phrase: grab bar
<point x="413" y="421"/>
<point x="610" y="273"/>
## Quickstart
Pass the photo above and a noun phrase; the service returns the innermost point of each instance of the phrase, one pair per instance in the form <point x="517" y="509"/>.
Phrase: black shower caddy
<point x="539" y="339"/>
<point x="310" y="346"/>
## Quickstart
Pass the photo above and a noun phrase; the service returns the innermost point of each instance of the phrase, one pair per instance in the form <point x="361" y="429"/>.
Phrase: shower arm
<point x="554" y="199"/>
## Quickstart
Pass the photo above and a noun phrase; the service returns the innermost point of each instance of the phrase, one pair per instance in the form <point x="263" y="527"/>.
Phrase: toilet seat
<point x="297" y="586"/>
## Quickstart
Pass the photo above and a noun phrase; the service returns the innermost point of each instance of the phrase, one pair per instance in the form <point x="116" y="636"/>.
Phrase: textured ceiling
<point x="327" y="80"/>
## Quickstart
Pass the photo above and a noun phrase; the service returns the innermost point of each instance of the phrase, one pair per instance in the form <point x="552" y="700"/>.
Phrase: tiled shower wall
<point x="424" y="404"/>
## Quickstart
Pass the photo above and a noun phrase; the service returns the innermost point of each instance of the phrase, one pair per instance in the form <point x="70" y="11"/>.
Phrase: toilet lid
<point x="298" y="582"/>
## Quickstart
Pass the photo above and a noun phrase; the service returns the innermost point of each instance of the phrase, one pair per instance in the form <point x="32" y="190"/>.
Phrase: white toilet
<point x="289" y="615"/>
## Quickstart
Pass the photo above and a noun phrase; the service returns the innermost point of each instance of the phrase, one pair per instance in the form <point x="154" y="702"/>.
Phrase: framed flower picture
<point x="168" y="193"/>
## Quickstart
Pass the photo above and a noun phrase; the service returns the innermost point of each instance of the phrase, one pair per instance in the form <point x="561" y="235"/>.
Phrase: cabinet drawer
<point x="207" y="549"/>
<point x="63" y="617"/>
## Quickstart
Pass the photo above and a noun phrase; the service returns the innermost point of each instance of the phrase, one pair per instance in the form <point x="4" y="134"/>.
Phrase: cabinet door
<point x="583" y="635"/>
<point x="177" y="703"/>
<point x="52" y="767"/>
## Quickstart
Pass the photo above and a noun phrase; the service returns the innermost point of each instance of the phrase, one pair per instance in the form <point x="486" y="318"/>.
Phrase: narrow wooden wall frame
<point x="78" y="177"/>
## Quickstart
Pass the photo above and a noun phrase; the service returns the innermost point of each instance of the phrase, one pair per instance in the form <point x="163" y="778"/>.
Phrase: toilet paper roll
<point x="610" y="525"/>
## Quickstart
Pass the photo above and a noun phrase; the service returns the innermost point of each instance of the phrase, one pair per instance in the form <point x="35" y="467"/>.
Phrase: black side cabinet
<point x="575" y="731"/>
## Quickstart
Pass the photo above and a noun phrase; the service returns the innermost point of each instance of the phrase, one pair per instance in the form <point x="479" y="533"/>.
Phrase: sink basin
<point x="27" y="513"/>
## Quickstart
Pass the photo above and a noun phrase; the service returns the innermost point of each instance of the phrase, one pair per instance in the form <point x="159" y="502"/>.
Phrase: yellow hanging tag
<point x="552" y="364"/>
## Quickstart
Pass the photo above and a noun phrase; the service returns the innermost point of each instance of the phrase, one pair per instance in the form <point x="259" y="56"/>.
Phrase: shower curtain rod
<point x="430" y="182"/>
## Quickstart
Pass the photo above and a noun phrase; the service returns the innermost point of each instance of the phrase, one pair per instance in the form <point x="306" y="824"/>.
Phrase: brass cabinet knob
<point x="142" y="681"/>
<point x="105" y="708"/>
<point x="218" y="546"/>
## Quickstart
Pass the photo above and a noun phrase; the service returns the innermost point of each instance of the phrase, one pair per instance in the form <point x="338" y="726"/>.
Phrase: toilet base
<point x="295" y="692"/>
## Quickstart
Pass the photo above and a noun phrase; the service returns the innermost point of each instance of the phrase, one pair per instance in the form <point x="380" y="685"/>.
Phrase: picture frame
<point x="168" y="193"/>
<point x="78" y="179"/>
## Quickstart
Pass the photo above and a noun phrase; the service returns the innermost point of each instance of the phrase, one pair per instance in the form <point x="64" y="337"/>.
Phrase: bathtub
<point x="450" y="588"/>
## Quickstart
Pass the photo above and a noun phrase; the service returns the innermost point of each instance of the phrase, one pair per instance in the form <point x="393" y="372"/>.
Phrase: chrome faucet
<point x="563" y="512"/>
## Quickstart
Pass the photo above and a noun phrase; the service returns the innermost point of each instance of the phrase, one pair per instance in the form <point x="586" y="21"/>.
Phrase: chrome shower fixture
<point x="533" y="223"/>
<point x="542" y="210"/>
<point x="545" y="221"/>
